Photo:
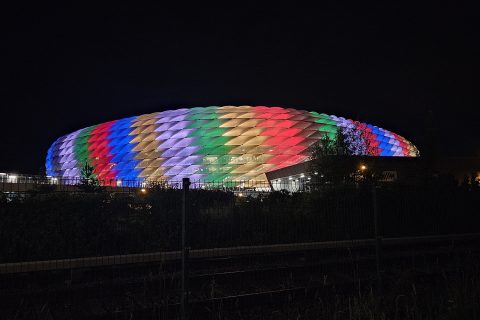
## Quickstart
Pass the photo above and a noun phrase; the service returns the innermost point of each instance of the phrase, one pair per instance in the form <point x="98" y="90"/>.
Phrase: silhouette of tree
<point x="89" y="180"/>
<point x="329" y="156"/>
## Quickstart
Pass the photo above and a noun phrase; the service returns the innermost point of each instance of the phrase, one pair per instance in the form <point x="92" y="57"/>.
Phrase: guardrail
<point x="156" y="257"/>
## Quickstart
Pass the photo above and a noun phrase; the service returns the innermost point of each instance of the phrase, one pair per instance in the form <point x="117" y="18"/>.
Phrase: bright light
<point x="290" y="178"/>
<point x="302" y="175"/>
<point x="240" y="194"/>
<point x="119" y="183"/>
<point x="316" y="173"/>
<point x="12" y="179"/>
<point x="143" y="190"/>
<point x="363" y="167"/>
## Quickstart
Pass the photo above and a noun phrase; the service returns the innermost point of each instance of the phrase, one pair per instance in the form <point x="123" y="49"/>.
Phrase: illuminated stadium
<point x="206" y="144"/>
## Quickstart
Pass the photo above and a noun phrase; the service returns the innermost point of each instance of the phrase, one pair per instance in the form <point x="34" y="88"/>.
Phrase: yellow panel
<point x="151" y="137"/>
<point x="146" y="155"/>
<point x="152" y="146"/>
<point x="253" y="132"/>
<point x="262" y="149"/>
<point x="143" y="164"/>
<point x="234" y="109"/>
<point x="238" y="141"/>
<point x="232" y="123"/>
<point x="150" y="128"/>
<point x="230" y="115"/>
<point x="139" y="147"/>
<point x="158" y="172"/>
<point x="235" y="132"/>
<point x="255" y="141"/>
<point x="262" y="178"/>
<point x="149" y="122"/>
<point x="146" y="117"/>
<point x="137" y="130"/>
<point x="146" y="172"/>
<point x="266" y="167"/>
<point x="242" y="150"/>
<point x="143" y="138"/>
<point x="246" y="168"/>
<point x="156" y="162"/>
<point x="250" y="123"/>
<point x="247" y="115"/>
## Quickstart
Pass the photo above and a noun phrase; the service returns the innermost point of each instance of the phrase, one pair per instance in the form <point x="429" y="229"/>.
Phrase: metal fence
<point x="25" y="183"/>
<point x="88" y="220"/>
<point x="241" y="239"/>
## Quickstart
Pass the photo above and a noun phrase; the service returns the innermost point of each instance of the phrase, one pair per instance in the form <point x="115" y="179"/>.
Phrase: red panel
<point x="286" y="123"/>
<point x="274" y="141"/>
<point x="292" y="141"/>
<point x="268" y="124"/>
<point x="271" y="132"/>
<point x="289" y="132"/>
<point x="100" y="152"/>
<point x="282" y="116"/>
<point x="295" y="150"/>
<point x="264" y="115"/>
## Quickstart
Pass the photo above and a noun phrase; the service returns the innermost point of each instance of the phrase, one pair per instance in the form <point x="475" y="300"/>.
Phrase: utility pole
<point x="185" y="250"/>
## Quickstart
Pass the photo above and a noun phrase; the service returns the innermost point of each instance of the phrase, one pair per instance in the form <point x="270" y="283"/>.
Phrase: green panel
<point x="217" y="176"/>
<point x="206" y="132"/>
<point x="215" y="123"/>
<point x="80" y="147"/>
<point x="202" y="116"/>
<point x="332" y="135"/>
<point x="221" y="141"/>
<point x="328" y="128"/>
<point x="211" y="142"/>
<point x="222" y="150"/>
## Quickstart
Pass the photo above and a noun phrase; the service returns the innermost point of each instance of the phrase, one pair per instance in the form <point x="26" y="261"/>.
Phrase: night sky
<point x="399" y="68"/>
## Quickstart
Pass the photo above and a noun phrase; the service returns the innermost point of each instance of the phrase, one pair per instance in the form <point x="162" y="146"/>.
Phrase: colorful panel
<point x="225" y="143"/>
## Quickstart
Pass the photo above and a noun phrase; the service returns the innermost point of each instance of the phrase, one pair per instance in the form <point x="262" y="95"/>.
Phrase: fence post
<point x="378" y="237"/>
<point x="185" y="250"/>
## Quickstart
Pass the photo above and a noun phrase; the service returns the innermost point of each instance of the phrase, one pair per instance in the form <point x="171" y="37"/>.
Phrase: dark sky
<point x="67" y="68"/>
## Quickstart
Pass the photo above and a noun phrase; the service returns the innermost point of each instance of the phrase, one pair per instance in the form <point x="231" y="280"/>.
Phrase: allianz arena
<point x="225" y="143"/>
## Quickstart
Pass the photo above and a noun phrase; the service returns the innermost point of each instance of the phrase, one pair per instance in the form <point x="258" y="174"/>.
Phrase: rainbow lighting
<point x="206" y="144"/>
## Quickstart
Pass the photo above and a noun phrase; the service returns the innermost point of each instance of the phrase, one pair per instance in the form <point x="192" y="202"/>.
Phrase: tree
<point x="89" y="180"/>
<point x="330" y="157"/>
<point x="358" y="141"/>
<point x="325" y="164"/>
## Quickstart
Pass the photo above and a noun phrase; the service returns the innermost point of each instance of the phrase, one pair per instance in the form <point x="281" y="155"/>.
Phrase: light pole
<point x="185" y="249"/>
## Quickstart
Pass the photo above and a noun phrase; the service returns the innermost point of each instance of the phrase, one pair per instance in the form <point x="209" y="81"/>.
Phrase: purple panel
<point x="170" y="143"/>
<point x="172" y="162"/>
<point x="184" y="152"/>
<point x="182" y="133"/>
<point x="180" y="125"/>
<point x="183" y="143"/>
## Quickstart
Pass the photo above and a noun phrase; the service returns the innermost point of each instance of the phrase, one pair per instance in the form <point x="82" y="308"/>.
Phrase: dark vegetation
<point x="63" y="225"/>
<point x="411" y="295"/>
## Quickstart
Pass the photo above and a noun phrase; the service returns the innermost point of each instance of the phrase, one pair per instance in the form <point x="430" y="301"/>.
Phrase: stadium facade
<point x="225" y="143"/>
